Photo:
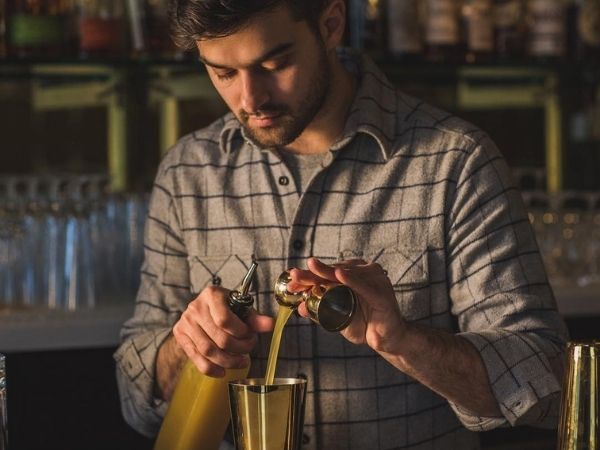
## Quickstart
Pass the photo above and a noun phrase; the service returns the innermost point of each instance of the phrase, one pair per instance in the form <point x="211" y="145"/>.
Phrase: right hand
<point x="213" y="337"/>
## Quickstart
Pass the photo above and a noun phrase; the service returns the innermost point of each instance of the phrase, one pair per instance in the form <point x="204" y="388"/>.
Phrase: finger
<point x="350" y="263"/>
<point x="197" y="323"/>
<point x="362" y="280"/>
<point x="260" y="323"/>
<point x="322" y="270"/>
<point x="303" y="310"/>
<point x="203" y="364"/>
<point x="222" y="316"/>
<point x="302" y="280"/>
<point x="208" y="349"/>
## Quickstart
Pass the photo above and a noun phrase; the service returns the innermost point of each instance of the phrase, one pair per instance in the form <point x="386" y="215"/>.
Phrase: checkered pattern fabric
<point x="423" y="193"/>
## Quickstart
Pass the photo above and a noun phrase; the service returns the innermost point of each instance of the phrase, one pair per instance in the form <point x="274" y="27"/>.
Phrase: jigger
<point x="579" y="427"/>
<point x="331" y="307"/>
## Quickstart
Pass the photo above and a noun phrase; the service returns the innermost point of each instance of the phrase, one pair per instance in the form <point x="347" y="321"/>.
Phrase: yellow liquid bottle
<point x="199" y="411"/>
<point x="198" y="414"/>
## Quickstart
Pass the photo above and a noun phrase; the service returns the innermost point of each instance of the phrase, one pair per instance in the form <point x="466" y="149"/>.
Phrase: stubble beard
<point x="291" y="123"/>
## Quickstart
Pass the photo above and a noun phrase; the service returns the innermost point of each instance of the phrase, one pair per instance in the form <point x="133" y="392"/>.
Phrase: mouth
<point x="264" y="121"/>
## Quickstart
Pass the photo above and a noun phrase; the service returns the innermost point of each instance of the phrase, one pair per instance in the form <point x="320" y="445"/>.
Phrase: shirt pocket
<point x="227" y="271"/>
<point x="408" y="271"/>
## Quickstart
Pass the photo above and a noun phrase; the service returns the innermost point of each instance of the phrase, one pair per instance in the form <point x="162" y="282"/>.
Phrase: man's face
<point x="273" y="74"/>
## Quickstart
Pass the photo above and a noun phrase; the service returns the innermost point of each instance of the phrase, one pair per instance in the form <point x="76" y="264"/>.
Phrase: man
<point x="323" y="166"/>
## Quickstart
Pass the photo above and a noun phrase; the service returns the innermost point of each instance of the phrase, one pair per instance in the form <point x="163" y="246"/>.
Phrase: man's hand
<point x="377" y="321"/>
<point x="212" y="336"/>
<point x="445" y="363"/>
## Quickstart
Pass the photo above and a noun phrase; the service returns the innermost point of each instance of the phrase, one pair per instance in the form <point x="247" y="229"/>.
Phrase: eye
<point x="224" y="76"/>
<point x="276" y="64"/>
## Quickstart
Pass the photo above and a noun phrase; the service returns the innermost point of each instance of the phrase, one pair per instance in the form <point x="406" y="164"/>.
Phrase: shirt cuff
<point x="136" y="364"/>
<point x="521" y="379"/>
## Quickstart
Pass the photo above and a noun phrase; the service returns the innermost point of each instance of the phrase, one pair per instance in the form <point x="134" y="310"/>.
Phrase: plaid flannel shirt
<point x="423" y="193"/>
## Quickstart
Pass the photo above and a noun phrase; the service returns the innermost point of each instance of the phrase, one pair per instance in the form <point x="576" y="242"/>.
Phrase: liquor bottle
<point x="478" y="30"/>
<point x="404" y="31"/>
<point x="149" y="25"/>
<point x="3" y="12"/>
<point x="198" y="414"/>
<point x="35" y="28"/>
<point x="509" y="29"/>
<point x="582" y="147"/>
<point x="101" y="28"/>
<point x="442" y="35"/>
<point x="584" y="30"/>
<point x="547" y="34"/>
<point x="366" y="26"/>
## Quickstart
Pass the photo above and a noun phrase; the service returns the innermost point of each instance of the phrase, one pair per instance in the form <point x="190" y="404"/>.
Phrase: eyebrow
<point x="268" y="55"/>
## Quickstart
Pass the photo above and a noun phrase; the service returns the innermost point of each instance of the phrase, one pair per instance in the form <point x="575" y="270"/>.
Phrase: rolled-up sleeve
<point x="501" y="295"/>
<point x="164" y="291"/>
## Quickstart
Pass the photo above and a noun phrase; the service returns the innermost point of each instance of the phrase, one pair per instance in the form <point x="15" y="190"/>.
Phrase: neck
<point x="329" y="122"/>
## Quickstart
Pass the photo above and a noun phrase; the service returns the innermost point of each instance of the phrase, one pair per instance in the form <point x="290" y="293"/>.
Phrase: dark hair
<point x="194" y="20"/>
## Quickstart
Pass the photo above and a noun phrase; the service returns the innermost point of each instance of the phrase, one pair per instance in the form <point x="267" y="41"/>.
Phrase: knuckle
<point x="223" y="342"/>
<point x="222" y="321"/>
<point x="205" y="348"/>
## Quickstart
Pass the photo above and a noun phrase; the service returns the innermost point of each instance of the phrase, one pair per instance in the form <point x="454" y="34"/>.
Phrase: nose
<point x="254" y="92"/>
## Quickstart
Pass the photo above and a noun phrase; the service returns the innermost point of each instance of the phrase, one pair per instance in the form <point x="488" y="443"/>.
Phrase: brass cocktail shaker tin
<point x="579" y="420"/>
<point x="331" y="307"/>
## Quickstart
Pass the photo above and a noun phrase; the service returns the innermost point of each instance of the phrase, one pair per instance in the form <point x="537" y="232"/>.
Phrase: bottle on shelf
<point x="584" y="30"/>
<point x="101" y="28"/>
<point x="509" y="29"/>
<point x="404" y="30"/>
<point x="547" y="31"/>
<point x="149" y="26"/>
<point x="583" y="147"/>
<point x="442" y="31"/>
<point x="478" y="30"/>
<point x="3" y="49"/>
<point x="37" y="28"/>
<point x="366" y="26"/>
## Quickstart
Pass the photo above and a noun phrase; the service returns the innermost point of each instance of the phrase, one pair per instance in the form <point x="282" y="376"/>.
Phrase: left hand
<point x="377" y="321"/>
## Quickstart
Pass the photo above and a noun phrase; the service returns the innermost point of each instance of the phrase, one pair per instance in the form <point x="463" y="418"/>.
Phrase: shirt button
<point x="284" y="181"/>
<point x="298" y="244"/>
<point x="216" y="280"/>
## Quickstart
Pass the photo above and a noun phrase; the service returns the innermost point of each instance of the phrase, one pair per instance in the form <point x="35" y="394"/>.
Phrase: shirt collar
<point x="372" y="112"/>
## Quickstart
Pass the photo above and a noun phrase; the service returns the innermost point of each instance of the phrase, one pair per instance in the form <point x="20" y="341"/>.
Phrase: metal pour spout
<point x="239" y="300"/>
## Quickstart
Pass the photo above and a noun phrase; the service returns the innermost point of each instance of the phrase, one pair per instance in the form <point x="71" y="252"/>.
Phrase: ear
<point x="332" y="23"/>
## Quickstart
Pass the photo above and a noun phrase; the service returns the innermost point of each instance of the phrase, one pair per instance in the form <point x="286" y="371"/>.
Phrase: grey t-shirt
<point x="302" y="167"/>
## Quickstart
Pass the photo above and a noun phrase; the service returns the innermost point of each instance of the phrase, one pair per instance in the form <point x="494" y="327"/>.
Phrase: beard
<point x="291" y="121"/>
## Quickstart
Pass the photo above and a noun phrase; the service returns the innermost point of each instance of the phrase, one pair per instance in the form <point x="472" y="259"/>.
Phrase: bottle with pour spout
<point x="198" y="414"/>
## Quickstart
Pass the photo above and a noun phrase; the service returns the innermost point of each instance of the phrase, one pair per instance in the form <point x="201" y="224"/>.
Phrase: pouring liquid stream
<point x="283" y="314"/>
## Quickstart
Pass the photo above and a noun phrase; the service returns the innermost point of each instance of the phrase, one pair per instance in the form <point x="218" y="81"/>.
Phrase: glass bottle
<point x="584" y="30"/>
<point x="36" y="28"/>
<point x="3" y="12"/>
<point x="478" y="30"/>
<point x="101" y="30"/>
<point x="442" y="32"/>
<point x="547" y="29"/>
<point x="198" y="413"/>
<point x="509" y="29"/>
<point x="366" y="26"/>
<point x="404" y="30"/>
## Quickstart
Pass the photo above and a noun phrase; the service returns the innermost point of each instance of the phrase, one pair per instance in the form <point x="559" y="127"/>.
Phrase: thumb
<point x="260" y="323"/>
